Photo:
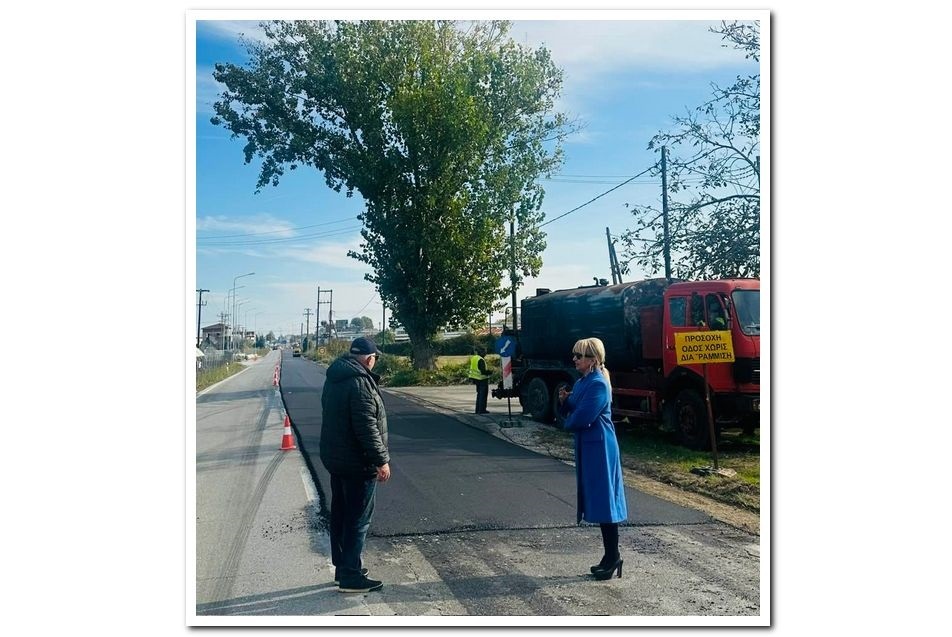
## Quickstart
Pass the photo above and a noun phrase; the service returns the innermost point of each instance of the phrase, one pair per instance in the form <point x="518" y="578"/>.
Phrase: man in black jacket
<point x="354" y="451"/>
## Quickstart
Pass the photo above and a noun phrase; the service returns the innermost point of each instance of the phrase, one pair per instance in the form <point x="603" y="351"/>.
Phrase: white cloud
<point x="597" y="47"/>
<point x="332" y="255"/>
<point x="207" y="89"/>
<point x="264" y="226"/>
<point x="231" y="29"/>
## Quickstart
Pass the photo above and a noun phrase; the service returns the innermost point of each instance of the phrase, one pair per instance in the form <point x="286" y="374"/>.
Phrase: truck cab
<point x="638" y="323"/>
<point x="727" y="304"/>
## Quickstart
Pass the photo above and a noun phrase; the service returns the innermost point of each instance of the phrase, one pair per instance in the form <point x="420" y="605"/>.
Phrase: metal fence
<point x="213" y="360"/>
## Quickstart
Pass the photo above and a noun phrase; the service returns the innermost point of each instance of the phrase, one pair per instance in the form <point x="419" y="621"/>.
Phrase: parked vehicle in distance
<point x="637" y="322"/>
<point x="296" y="352"/>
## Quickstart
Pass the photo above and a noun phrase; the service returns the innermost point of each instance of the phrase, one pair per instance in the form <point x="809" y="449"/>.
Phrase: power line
<point x="258" y="234"/>
<point x="650" y="168"/>
<point x="316" y="235"/>
<point x="372" y="299"/>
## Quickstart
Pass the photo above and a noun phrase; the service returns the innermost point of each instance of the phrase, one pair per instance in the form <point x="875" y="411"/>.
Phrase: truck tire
<point x="538" y="400"/>
<point x="690" y="417"/>
<point x="558" y="418"/>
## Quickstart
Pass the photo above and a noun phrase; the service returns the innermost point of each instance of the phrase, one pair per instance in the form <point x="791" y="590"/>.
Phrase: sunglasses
<point x="576" y="356"/>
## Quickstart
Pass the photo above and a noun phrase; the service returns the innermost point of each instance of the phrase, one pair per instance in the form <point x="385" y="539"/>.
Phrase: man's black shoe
<point x="361" y="585"/>
<point x="363" y="572"/>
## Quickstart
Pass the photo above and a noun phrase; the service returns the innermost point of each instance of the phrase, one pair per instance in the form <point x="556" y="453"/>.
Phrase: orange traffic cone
<point x="287" y="442"/>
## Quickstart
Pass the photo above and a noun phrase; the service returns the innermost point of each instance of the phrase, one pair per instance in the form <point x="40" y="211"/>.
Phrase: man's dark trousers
<point x="352" y="507"/>
<point x="482" y="393"/>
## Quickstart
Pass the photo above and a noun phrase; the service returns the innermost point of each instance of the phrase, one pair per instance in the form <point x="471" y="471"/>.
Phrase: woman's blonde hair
<point x="593" y="348"/>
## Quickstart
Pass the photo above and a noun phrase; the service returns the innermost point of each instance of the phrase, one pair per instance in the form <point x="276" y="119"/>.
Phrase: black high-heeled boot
<point x="610" y="541"/>
<point x="606" y="573"/>
<point x="601" y="565"/>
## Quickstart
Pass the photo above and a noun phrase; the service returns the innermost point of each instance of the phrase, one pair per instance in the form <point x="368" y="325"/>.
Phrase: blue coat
<point x="601" y="491"/>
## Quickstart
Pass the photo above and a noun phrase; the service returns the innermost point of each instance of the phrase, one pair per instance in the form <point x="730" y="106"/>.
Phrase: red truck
<point x="637" y="322"/>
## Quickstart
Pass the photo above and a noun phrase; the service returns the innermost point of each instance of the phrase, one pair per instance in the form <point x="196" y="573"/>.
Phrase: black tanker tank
<point x="552" y="322"/>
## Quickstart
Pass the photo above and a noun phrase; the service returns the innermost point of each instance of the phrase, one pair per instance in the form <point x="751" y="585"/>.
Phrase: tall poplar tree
<point x="443" y="128"/>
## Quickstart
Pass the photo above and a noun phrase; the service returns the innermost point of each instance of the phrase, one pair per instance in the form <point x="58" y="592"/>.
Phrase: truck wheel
<point x="538" y="403"/>
<point x="559" y="418"/>
<point x="690" y="415"/>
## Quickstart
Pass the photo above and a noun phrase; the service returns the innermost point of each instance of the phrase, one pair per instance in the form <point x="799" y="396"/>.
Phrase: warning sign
<point x="695" y="348"/>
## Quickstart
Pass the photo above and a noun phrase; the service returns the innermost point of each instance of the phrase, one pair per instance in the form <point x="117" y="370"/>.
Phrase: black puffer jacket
<point x="354" y="421"/>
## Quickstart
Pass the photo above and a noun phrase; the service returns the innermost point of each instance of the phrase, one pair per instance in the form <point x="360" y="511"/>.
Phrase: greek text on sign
<point x="695" y="348"/>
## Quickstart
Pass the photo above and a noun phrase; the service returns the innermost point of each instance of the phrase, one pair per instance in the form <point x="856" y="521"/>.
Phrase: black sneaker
<point x="363" y="572"/>
<point x="361" y="585"/>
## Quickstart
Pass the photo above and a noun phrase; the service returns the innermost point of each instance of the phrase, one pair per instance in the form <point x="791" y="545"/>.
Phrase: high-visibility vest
<point x="474" y="368"/>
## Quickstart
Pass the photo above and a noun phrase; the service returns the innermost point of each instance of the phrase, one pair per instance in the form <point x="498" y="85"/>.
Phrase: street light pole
<point x="237" y="313"/>
<point x="233" y="284"/>
<point x="226" y="311"/>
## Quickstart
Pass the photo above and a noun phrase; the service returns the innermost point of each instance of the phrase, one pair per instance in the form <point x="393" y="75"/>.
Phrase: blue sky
<point x="624" y="79"/>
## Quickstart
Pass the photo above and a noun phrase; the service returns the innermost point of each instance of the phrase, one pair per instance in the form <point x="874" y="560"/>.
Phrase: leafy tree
<point x="442" y="128"/>
<point x="362" y="322"/>
<point x="270" y="337"/>
<point x="714" y="164"/>
<point x="386" y="336"/>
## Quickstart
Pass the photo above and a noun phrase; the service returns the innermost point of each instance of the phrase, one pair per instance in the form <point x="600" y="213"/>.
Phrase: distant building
<point x="214" y="334"/>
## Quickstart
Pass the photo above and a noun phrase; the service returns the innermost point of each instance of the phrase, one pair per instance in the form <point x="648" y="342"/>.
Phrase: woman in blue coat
<point x="601" y="491"/>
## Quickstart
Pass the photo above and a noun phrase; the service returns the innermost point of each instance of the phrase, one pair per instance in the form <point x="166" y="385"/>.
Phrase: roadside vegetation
<point x="396" y="369"/>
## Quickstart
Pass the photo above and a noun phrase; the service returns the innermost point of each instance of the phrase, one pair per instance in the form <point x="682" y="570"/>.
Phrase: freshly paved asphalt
<point x="447" y="476"/>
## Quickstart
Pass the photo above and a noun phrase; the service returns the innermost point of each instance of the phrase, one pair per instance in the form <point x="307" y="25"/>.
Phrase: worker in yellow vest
<point x="478" y="374"/>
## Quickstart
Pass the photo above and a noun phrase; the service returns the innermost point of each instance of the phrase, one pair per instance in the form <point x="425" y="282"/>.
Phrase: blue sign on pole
<point x="506" y="346"/>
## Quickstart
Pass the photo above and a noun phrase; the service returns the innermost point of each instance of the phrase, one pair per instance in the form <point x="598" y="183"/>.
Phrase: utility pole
<point x="307" y="313"/>
<point x="330" y="326"/>
<point x="664" y="211"/>
<point x="613" y="259"/>
<point x="222" y="323"/>
<point x="198" y="334"/>
<point x="383" y="323"/>
<point x="512" y="269"/>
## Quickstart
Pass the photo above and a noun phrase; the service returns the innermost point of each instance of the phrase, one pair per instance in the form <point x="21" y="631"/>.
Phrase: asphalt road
<point x="469" y="526"/>
<point x="472" y="525"/>
<point x="449" y="477"/>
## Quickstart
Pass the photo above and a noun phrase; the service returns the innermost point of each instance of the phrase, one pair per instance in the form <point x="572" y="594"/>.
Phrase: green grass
<point x="397" y="371"/>
<point x="203" y="380"/>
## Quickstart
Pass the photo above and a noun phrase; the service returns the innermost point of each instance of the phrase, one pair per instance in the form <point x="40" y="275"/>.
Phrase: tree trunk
<point x="424" y="356"/>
